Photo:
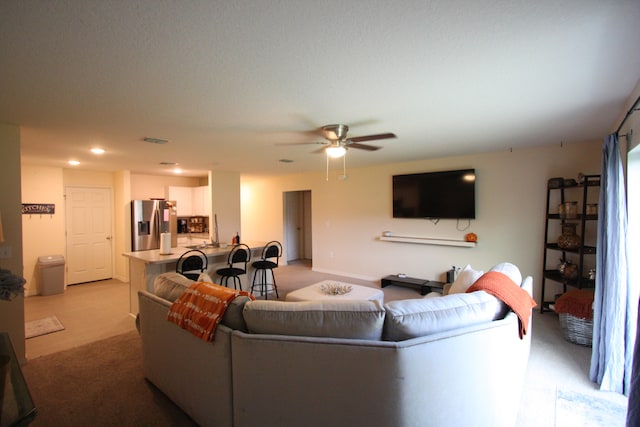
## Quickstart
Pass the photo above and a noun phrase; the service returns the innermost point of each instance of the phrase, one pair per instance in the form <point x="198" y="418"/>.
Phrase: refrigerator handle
<point x="158" y="220"/>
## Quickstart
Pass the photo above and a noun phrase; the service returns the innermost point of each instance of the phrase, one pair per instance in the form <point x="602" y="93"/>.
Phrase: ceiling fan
<point x="337" y="142"/>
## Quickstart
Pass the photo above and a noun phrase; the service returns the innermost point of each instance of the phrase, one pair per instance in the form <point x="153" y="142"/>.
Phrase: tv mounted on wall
<point x="441" y="195"/>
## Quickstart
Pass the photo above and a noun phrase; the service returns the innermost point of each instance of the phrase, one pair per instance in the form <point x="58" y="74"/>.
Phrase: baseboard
<point x="342" y="273"/>
<point x="124" y="279"/>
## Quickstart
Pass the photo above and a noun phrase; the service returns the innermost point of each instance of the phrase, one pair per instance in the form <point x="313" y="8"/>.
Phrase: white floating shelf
<point x="428" y="241"/>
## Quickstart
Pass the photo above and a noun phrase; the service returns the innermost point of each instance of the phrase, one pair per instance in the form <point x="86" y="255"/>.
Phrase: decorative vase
<point x="569" y="239"/>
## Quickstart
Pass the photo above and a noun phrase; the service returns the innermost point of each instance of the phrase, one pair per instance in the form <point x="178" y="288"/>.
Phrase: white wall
<point x="122" y="223"/>
<point x="42" y="234"/>
<point x="12" y="312"/>
<point x="226" y="205"/>
<point x="348" y="216"/>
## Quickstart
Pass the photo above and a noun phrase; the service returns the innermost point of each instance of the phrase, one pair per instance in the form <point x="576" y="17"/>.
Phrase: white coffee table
<point x="315" y="293"/>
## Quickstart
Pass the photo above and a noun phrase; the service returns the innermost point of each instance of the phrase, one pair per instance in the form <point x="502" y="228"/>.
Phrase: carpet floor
<point x="114" y="390"/>
<point x="584" y="410"/>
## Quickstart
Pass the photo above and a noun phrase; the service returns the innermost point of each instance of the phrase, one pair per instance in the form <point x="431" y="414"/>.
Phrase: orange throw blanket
<point x="576" y="302"/>
<point x="201" y="307"/>
<point x="502" y="287"/>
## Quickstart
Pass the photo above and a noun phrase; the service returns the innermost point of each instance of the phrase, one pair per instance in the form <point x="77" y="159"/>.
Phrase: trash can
<point x="51" y="274"/>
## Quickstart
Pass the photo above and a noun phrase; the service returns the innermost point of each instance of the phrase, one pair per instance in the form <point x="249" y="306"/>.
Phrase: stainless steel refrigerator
<point x="150" y="218"/>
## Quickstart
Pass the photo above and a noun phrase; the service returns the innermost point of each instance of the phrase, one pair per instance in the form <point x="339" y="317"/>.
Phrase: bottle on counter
<point x="236" y="239"/>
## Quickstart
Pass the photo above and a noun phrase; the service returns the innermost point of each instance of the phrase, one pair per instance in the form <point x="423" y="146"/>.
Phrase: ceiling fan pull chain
<point x="327" y="156"/>
<point x="344" y="176"/>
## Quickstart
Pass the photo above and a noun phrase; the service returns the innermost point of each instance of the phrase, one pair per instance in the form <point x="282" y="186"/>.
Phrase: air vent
<point x="156" y="140"/>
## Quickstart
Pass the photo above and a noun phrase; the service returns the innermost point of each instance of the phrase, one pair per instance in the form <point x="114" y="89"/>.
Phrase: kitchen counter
<point x="145" y="266"/>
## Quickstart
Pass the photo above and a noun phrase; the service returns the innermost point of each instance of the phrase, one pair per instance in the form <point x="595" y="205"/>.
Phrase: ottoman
<point x="315" y="293"/>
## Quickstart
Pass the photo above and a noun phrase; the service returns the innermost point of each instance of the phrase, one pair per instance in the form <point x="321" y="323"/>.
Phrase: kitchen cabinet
<point x="183" y="196"/>
<point x="192" y="201"/>
<point x="201" y="201"/>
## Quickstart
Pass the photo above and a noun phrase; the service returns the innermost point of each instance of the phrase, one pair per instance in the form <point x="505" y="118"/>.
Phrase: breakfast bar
<point x="145" y="266"/>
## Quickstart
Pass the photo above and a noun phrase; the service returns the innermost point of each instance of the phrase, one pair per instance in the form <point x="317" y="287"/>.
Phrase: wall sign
<point x="38" y="208"/>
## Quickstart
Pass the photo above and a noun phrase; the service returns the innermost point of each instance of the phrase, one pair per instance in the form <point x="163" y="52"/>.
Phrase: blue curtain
<point x="614" y="314"/>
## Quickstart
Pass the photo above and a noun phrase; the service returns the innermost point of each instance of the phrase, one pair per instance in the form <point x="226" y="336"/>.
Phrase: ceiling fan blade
<point x="373" y="137"/>
<point x="319" y="150"/>
<point x="363" y="146"/>
<point x="302" y="143"/>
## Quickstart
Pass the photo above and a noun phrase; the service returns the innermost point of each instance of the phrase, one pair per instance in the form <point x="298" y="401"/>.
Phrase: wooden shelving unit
<point x="585" y="192"/>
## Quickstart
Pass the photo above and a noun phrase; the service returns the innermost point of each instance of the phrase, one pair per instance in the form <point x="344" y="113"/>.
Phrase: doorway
<point x="297" y="225"/>
<point x="89" y="213"/>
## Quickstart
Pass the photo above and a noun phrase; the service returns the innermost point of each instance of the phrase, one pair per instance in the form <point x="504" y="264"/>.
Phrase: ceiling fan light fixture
<point x="336" y="151"/>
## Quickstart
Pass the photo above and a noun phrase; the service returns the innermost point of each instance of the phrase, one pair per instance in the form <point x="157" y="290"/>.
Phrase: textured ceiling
<point x="226" y="81"/>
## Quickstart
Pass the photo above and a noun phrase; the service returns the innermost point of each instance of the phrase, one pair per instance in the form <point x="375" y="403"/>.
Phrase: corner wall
<point x="349" y="216"/>
<point x="42" y="234"/>
<point x="12" y="312"/>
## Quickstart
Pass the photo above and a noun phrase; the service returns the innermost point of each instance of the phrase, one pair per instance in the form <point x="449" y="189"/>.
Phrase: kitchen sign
<point x="38" y="208"/>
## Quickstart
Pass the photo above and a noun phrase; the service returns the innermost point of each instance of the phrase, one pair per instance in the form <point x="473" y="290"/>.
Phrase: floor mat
<point x="36" y="328"/>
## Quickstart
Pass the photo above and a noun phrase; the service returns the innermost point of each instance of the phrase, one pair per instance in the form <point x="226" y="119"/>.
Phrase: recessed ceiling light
<point x="73" y="162"/>
<point x="156" y="140"/>
<point x="177" y="171"/>
<point x="97" y="150"/>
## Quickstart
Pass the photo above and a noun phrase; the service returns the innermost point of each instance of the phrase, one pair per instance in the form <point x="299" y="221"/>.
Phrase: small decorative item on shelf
<point x="592" y="209"/>
<point x="471" y="237"/>
<point x="569" y="239"/>
<point x="335" y="288"/>
<point x="571" y="210"/>
<point x="562" y="211"/>
<point x="592" y="274"/>
<point x="569" y="271"/>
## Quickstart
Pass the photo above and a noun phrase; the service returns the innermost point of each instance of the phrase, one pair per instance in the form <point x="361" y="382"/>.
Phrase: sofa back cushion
<point x="412" y="318"/>
<point x="337" y="319"/>
<point x="171" y="285"/>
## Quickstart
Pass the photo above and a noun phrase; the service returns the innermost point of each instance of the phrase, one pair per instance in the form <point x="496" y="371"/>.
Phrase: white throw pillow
<point x="465" y="279"/>
<point x="510" y="271"/>
<point x="433" y="294"/>
<point x="204" y="277"/>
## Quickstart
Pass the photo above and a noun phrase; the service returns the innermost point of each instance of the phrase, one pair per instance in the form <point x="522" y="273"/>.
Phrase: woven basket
<point x="576" y="330"/>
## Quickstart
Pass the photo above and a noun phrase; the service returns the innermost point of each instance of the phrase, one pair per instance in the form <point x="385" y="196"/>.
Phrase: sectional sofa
<point x="456" y="360"/>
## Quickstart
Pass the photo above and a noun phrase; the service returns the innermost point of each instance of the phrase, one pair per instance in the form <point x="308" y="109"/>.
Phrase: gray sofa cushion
<point x="171" y="285"/>
<point x="339" y="319"/>
<point x="412" y="318"/>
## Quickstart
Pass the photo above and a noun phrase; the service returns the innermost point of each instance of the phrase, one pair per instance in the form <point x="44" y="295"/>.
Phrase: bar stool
<point x="192" y="263"/>
<point x="271" y="254"/>
<point x="239" y="256"/>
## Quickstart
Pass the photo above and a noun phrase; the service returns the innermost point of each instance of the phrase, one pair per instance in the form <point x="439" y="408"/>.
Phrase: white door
<point x="89" y="240"/>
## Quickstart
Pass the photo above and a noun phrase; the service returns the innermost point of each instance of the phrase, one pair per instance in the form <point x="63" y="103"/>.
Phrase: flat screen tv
<point x="441" y="195"/>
